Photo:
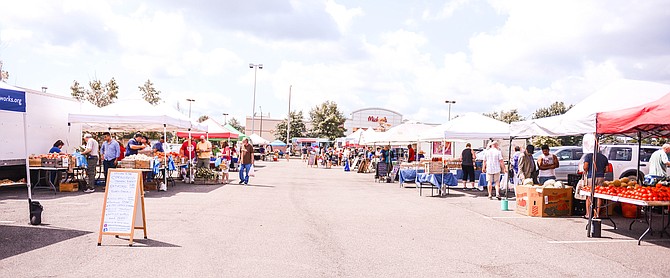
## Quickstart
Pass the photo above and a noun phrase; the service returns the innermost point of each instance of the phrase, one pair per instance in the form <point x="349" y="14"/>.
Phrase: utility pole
<point x="288" y="122"/>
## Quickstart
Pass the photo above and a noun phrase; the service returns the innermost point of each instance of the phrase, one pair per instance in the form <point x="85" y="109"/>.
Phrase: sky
<point x="409" y="56"/>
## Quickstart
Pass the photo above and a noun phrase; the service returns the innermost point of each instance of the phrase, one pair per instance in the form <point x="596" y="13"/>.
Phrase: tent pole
<point x="592" y="208"/>
<point x="639" y="148"/>
<point x="25" y="143"/>
<point x="509" y="168"/>
<point x="165" y="166"/>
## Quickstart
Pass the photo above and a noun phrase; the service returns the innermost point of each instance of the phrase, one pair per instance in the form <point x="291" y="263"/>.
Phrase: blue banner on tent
<point x="11" y="100"/>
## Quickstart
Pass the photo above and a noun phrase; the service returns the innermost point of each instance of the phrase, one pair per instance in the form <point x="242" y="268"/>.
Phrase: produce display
<point x="547" y="184"/>
<point x="49" y="156"/>
<point x="8" y="181"/>
<point x="205" y="173"/>
<point x="140" y="157"/>
<point x="162" y="156"/>
<point x="627" y="188"/>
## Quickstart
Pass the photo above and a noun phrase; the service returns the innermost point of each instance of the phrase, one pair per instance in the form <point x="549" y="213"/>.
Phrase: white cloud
<point x="342" y="15"/>
<point x="449" y="8"/>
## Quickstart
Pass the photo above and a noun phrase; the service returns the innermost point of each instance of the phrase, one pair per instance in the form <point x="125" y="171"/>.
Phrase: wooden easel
<point x="124" y="186"/>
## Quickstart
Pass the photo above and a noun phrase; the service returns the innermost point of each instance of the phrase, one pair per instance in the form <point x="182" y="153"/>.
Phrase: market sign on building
<point x="11" y="100"/>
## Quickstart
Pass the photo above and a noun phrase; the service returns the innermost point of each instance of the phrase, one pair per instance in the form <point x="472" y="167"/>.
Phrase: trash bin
<point x="35" y="212"/>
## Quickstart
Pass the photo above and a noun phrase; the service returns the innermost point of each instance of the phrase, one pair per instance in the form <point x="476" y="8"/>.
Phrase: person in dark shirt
<point x="601" y="166"/>
<point x="135" y="145"/>
<point x="158" y="147"/>
<point x="468" y="167"/>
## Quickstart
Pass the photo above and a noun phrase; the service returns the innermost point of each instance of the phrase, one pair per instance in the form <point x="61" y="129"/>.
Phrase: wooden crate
<point x="68" y="187"/>
<point x="52" y="162"/>
<point x="150" y="186"/>
<point x="35" y="162"/>
<point x="142" y="164"/>
<point x="435" y="167"/>
<point x="126" y="164"/>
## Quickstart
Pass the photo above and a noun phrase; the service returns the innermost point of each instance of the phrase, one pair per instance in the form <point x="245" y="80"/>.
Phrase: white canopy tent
<point x="258" y="140"/>
<point x="133" y="114"/>
<point x="581" y="118"/>
<point x="468" y="126"/>
<point x="354" y="137"/>
<point x="368" y="137"/>
<point x="407" y="133"/>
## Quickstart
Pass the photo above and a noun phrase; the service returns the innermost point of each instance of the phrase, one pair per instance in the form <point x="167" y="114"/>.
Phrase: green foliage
<point x="327" y="121"/>
<point x="236" y="124"/>
<point x="298" y="128"/>
<point x="506" y="116"/>
<point x="550" y="141"/>
<point x="203" y="118"/>
<point x="100" y="95"/>
<point x="149" y="93"/>
<point x="555" y="109"/>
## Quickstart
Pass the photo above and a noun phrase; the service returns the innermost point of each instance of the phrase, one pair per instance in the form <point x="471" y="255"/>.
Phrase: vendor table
<point x="408" y="175"/>
<point x="484" y="182"/>
<point x="436" y="180"/>
<point x="647" y="211"/>
<point x="43" y="173"/>
<point x="459" y="174"/>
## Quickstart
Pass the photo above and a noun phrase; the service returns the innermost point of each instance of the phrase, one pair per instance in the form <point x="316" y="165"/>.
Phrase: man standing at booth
<point x="204" y="150"/>
<point x="247" y="152"/>
<point x="91" y="154"/>
<point x="658" y="162"/>
<point x="492" y="166"/>
<point x="110" y="152"/>
<point x="547" y="162"/>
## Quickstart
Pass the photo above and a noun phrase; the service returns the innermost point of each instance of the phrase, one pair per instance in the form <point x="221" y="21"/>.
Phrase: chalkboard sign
<point x="382" y="169"/>
<point x="394" y="172"/>
<point x="123" y="206"/>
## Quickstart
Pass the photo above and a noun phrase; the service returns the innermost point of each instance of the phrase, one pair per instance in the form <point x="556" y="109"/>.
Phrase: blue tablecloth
<point x="459" y="174"/>
<point x="437" y="179"/>
<point x="407" y="175"/>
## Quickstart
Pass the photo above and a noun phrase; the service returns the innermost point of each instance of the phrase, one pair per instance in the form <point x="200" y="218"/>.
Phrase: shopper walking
<point x="492" y="166"/>
<point x="92" y="156"/>
<point x="247" y="152"/>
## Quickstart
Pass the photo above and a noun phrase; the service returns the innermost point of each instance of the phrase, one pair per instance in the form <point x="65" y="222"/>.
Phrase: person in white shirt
<point x="547" y="162"/>
<point x="92" y="156"/>
<point x="492" y="166"/>
<point x="658" y="162"/>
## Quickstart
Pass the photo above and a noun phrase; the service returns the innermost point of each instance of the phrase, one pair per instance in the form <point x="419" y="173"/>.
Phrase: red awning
<point x="652" y="119"/>
<point x="215" y="135"/>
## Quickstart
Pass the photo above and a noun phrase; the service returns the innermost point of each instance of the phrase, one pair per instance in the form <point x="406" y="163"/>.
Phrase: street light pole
<point x="225" y="118"/>
<point x="253" y="112"/>
<point x="261" y="130"/>
<point x="288" y="118"/>
<point x="450" y="102"/>
<point x="189" y="106"/>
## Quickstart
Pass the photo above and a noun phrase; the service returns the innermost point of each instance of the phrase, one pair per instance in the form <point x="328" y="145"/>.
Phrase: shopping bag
<point x="579" y="187"/>
<point x="252" y="172"/>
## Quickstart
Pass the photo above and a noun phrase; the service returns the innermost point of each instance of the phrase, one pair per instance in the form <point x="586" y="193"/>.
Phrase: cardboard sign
<point x="123" y="206"/>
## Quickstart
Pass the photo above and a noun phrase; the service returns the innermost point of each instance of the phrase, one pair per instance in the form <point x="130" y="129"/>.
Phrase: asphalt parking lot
<point x="295" y="221"/>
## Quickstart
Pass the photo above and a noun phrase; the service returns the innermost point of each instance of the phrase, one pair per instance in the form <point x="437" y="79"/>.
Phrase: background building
<point x="264" y="126"/>
<point x="379" y="119"/>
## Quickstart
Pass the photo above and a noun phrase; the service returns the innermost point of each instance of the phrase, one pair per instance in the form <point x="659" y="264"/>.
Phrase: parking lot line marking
<point x="75" y="204"/>
<point x="602" y="241"/>
<point x="6" y="222"/>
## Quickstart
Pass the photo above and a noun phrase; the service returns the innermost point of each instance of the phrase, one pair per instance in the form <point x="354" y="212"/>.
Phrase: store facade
<point x="379" y="119"/>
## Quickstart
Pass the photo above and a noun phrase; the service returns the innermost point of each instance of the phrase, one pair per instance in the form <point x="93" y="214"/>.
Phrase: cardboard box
<point x="150" y="186"/>
<point x="435" y="167"/>
<point x="142" y="164"/>
<point x="550" y="202"/>
<point x="35" y="162"/>
<point x="52" y="162"/>
<point x="68" y="187"/>
<point x="126" y="164"/>
<point x="543" y="202"/>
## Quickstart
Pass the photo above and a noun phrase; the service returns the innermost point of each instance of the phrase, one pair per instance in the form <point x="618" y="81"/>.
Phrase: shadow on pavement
<point x="183" y="188"/>
<point x="137" y="243"/>
<point x="20" y="239"/>
<point x="623" y="229"/>
<point x="21" y="193"/>
<point x="259" y="185"/>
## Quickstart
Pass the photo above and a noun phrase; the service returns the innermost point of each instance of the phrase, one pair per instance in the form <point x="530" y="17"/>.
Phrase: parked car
<point x="624" y="159"/>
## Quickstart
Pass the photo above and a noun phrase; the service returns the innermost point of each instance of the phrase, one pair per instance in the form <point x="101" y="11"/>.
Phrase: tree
<point x="327" y="121"/>
<point x="4" y="75"/>
<point x="298" y="128"/>
<point x="236" y="124"/>
<point x="203" y="118"/>
<point x="149" y="93"/>
<point x="555" y="109"/>
<point x="100" y="95"/>
<point x="506" y="116"/>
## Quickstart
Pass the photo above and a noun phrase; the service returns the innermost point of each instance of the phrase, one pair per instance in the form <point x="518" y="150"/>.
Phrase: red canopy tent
<point x="213" y="135"/>
<point x="651" y="119"/>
